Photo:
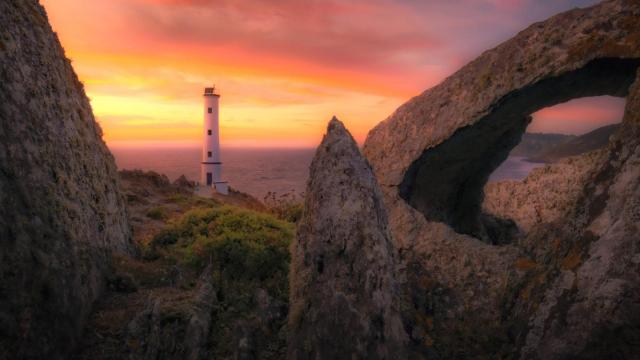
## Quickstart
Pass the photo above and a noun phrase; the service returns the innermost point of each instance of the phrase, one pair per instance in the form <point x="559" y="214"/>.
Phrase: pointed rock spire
<point x="344" y="298"/>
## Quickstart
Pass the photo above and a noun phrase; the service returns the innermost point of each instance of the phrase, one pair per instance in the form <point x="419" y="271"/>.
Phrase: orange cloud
<point x="284" y="66"/>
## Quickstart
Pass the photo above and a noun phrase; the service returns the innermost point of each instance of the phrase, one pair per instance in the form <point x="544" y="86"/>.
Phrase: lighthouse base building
<point x="211" y="165"/>
<point x="208" y="178"/>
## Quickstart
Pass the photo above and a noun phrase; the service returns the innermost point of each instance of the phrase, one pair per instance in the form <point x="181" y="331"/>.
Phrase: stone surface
<point x="198" y="329"/>
<point x="588" y="307"/>
<point x="183" y="183"/>
<point x="175" y="326"/>
<point x="253" y="336"/>
<point x="465" y="126"/>
<point x="565" y="285"/>
<point x="546" y="195"/>
<point x="61" y="211"/>
<point x="344" y="298"/>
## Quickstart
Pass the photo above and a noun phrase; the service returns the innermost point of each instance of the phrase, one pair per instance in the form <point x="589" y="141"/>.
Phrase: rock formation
<point x="344" y="298"/>
<point x="587" y="305"/>
<point x="200" y="322"/>
<point x="544" y="196"/>
<point x="167" y="329"/>
<point x="567" y="285"/>
<point x="576" y="145"/>
<point x="61" y="213"/>
<point x="466" y="126"/>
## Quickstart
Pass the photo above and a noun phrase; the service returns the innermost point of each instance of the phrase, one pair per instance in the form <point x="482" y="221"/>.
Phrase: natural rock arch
<point x="567" y="287"/>
<point x="446" y="182"/>
<point x="437" y="150"/>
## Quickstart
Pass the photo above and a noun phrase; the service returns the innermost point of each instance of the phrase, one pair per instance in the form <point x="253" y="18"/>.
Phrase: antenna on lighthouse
<point x="211" y="165"/>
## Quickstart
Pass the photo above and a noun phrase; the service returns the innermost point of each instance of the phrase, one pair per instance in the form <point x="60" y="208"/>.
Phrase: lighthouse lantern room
<point x="211" y="166"/>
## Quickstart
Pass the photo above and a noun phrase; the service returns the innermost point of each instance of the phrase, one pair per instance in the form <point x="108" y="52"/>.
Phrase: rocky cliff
<point x="467" y="125"/>
<point x="563" y="283"/>
<point x="544" y="196"/>
<point x="344" y="301"/>
<point x="535" y="143"/>
<point x="577" y="145"/>
<point x="61" y="213"/>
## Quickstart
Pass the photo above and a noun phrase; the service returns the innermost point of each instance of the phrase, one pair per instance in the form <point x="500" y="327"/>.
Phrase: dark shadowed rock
<point x="567" y="286"/>
<point x="176" y="326"/>
<point x="344" y="298"/>
<point x="253" y="336"/>
<point x="144" y="332"/>
<point x="183" y="183"/>
<point x="61" y="211"/>
<point x="200" y="322"/>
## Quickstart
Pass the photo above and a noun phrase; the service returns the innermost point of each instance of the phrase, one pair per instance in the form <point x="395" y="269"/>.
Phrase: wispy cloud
<point x="281" y="64"/>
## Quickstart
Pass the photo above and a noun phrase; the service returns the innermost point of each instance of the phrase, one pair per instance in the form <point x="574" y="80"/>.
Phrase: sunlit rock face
<point x="560" y="285"/>
<point x="61" y="211"/>
<point x="344" y="296"/>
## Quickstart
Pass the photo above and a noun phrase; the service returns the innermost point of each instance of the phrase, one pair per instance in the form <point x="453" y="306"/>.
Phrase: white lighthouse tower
<point x="211" y="166"/>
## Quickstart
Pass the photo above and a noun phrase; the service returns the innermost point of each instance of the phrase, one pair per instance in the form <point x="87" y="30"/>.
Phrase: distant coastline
<point x="256" y="171"/>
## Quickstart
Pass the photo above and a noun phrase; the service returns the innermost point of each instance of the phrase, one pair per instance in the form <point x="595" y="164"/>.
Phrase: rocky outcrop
<point x="545" y="196"/>
<point x="560" y="289"/>
<point x="533" y="144"/>
<point x="587" y="306"/>
<point x="183" y="183"/>
<point x="174" y="327"/>
<point x="61" y="211"/>
<point x="576" y="145"/>
<point x="198" y="329"/>
<point x="261" y="335"/>
<point x="466" y="126"/>
<point x="344" y="299"/>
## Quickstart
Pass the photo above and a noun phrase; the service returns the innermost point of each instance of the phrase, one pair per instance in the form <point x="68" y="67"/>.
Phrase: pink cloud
<point x="579" y="116"/>
<point x="357" y="34"/>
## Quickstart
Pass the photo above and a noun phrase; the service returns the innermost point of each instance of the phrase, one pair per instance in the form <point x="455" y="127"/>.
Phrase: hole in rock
<point x="569" y="129"/>
<point x="446" y="182"/>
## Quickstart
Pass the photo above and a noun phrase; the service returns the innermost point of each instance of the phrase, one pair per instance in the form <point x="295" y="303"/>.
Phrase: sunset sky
<point x="284" y="67"/>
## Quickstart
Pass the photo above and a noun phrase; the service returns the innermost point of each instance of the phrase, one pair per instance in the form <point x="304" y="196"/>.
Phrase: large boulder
<point x="565" y="285"/>
<point x="61" y="211"/>
<point x="344" y="298"/>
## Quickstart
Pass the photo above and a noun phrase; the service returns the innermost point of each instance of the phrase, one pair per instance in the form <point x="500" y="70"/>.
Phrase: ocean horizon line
<point x="161" y="145"/>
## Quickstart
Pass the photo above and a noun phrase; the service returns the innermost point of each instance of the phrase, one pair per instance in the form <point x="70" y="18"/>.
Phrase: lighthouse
<point x="211" y="165"/>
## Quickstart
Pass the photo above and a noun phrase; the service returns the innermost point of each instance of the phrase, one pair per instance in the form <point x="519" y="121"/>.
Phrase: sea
<point x="258" y="171"/>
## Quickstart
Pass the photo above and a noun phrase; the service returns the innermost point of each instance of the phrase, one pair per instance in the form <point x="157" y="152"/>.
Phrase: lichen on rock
<point x="61" y="210"/>
<point x="344" y="301"/>
<point x="433" y="156"/>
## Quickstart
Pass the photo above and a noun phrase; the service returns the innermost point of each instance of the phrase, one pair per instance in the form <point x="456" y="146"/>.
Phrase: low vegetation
<point x="244" y="246"/>
<point x="179" y="235"/>
<point x="157" y="213"/>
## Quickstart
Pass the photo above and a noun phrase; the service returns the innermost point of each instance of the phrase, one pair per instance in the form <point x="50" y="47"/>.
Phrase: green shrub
<point x="246" y="248"/>
<point x="165" y="237"/>
<point x="157" y="213"/>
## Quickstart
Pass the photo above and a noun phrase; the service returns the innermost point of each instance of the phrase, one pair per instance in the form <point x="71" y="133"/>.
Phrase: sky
<point x="285" y="67"/>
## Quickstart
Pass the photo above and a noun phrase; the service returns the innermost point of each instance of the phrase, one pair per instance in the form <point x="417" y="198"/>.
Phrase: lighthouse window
<point x="209" y="110"/>
<point x="208" y="132"/>
<point x="209" y="154"/>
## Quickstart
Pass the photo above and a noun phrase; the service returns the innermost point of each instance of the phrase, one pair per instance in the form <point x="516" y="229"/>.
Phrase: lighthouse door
<point x="209" y="179"/>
